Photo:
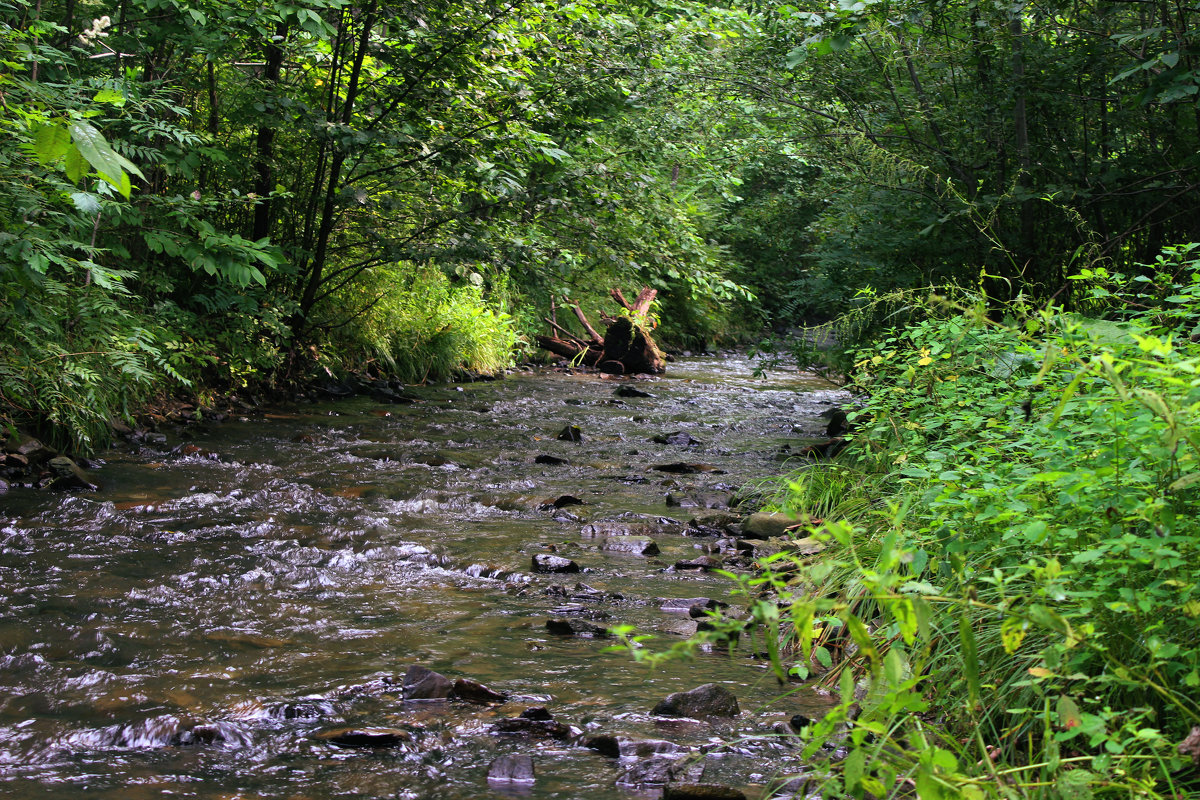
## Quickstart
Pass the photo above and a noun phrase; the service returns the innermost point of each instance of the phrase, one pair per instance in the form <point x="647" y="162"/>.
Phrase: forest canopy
<point x="223" y="195"/>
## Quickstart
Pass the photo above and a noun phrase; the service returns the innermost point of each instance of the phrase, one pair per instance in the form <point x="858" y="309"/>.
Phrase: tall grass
<point x="424" y="327"/>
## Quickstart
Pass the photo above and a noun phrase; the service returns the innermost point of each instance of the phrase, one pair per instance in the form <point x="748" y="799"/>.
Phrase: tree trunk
<point x="626" y="348"/>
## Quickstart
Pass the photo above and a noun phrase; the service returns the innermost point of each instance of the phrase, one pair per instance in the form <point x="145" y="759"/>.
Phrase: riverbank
<point x="1007" y="596"/>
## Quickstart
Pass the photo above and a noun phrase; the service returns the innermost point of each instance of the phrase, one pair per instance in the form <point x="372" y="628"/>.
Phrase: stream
<point x="193" y="628"/>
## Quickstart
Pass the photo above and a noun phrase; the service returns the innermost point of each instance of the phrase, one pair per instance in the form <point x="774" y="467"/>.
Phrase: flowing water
<point x="192" y="628"/>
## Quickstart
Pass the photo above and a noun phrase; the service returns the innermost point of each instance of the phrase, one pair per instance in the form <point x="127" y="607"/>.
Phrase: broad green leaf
<point x="50" y="143"/>
<point x="109" y="96"/>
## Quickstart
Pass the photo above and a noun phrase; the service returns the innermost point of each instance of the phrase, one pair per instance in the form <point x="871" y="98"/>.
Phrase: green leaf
<point x="109" y="96"/>
<point x="86" y="202"/>
<point x="75" y="164"/>
<point x="1182" y="483"/>
<point x="50" y="143"/>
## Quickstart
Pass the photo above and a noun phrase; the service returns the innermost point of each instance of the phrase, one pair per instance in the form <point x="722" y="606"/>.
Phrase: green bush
<point x="1027" y="577"/>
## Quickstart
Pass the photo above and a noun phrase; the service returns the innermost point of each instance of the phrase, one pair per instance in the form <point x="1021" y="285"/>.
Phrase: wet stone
<point x="709" y="700"/>
<point x="550" y="563"/>
<point x="550" y="460"/>
<point x="684" y="605"/>
<point x="365" y="737"/>
<point x="657" y="771"/>
<point x="640" y="547"/>
<point x="550" y="729"/>
<point x="625" y="390"/>
<point x="682" y="468"/>
<point x="537" y="713"/>
<point x="576" y="627"/>
<point x="511" y="769"/>
<point x="471" y="691"/>
<point x="765" y="525"/>
<point x="69" y="476"/>
<point x="422" y="683"/>
<point x="700" y="791"/>
<point x="701" y="563"/>
<point x="679" y="439"/>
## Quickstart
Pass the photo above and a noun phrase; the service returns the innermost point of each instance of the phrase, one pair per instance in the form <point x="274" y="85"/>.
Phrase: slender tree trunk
<point x="1026" y="246"/>
<point x="336" y="163"/>
<point x="264" y="143"/>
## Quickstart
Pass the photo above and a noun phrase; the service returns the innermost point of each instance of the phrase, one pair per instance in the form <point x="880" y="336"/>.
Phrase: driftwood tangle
<point x="625" y="348"/>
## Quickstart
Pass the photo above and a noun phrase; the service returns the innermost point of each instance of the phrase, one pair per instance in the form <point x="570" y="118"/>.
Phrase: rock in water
<point x="470" y="691"/>
<point x="576" y="627"/>
<point x="625" y="390"/>
<point x="550" y="563"/>
<point x="656" y="771"/>
<point x="70" y="476"/>
<point x="764" y="525"/>
<point x="366" y="737"/>
<point x="700" y="791"/>
<point x="422" y="683"/>
<point x="511" y="769"/>
<point x="709" y="700"/>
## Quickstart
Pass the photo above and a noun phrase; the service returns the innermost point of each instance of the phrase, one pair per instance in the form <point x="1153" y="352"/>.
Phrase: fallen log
<point x="625" y="348"/>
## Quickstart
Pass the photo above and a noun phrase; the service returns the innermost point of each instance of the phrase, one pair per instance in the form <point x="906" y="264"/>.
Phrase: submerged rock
<point x="700" y="791"/>
<point x="703" y="563"/>
<point x="550" y="563"/>
<point x="679" y="438"/>
<point x="681" y="468"/>
<point x="551" y="729"/>
<point x="366" y="737"/>
<point x="576" y="627"/>
<point x="511" y="769"/>
<point x="625" y="390"/>
<point x="709" y="700"/>
<point x="656" y="771"/>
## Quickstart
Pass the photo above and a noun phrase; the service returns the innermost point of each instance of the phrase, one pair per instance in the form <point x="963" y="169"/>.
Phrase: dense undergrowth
<point x="1009" y="602"/>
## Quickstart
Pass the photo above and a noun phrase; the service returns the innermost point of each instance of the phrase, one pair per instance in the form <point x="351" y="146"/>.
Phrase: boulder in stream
<point x="765" y="525"/>
<point x="69" y="476"/>
<point x="576" y="627"/>
<point x="511" y="769"/>
<point x="470" y="691"/>
<point x="550" y="563"/>
<point x="709" y="700"/>
<point x="702" y="563"/>
<point x="639" y="547"/>
<point x="422" y="683"/>
<point x="626" y="390"/>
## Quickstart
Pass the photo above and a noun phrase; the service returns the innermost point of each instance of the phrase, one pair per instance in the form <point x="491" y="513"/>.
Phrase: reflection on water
<point x="191" y="628"/>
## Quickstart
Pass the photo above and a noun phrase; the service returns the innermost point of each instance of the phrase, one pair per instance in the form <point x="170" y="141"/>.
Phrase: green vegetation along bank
<point x="1005" y="594"/>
